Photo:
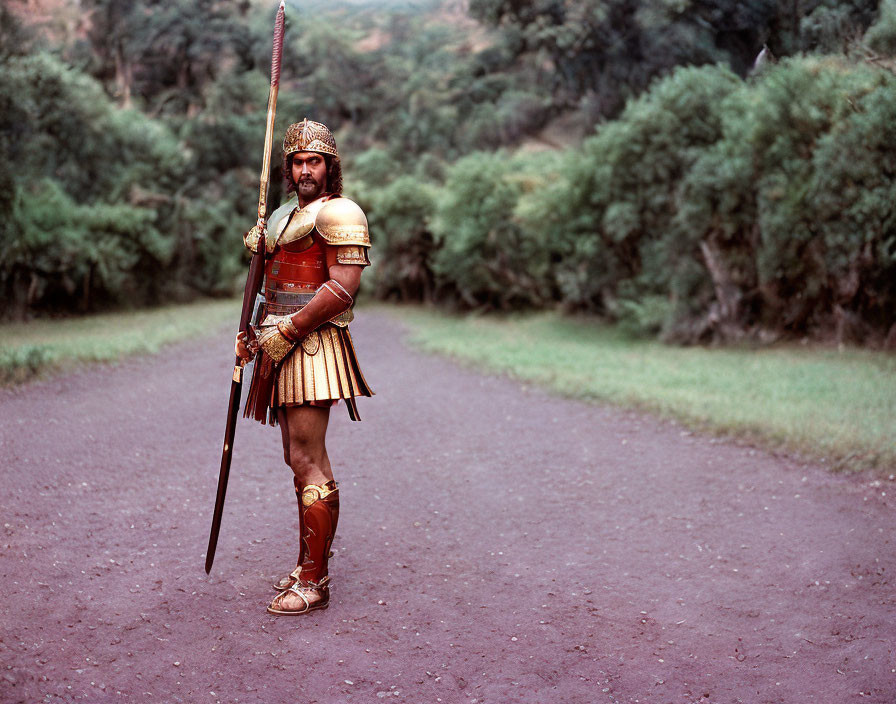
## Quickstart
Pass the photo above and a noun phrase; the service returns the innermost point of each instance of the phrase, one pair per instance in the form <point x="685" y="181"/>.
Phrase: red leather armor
<point x="293" y="274"/>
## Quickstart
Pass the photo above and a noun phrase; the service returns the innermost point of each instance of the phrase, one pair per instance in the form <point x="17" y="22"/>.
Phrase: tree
<point x="613" y="49"/>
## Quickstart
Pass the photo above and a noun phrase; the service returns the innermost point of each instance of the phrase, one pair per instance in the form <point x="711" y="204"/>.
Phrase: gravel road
<point x="496" y="545"/>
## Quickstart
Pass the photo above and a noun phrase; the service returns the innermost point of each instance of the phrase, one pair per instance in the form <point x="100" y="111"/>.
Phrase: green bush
<point x="61" y="254"/>
<point x="718" y="208"/>
<point x="881" y="36"/>
<point x="108" y="206"/>
<point x="484" y="256"/>
<point x="403" y="246"/>
<point x="19" y="364"/>
<point x="613" y="207"/>
<point x="852" y="194"/>
<point x="791" y="206"/>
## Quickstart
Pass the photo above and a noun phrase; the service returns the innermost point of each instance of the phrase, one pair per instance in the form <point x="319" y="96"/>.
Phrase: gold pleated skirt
<point x="320" y="371"/>
<point x="323" y="367"/>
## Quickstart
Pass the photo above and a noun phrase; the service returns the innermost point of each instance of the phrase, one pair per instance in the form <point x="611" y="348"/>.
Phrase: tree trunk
<point x="728" y="294"/>
<point x="124" y="77"/>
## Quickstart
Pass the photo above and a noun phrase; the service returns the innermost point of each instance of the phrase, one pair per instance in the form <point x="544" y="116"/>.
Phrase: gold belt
<point x="290" y="298"/>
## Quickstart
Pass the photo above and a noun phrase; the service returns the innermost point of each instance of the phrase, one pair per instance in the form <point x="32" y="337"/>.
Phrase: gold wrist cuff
<point x="275" y="343"/>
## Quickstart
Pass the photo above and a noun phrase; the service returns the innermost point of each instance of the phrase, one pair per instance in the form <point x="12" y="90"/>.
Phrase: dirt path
<point x="495" y="545"/>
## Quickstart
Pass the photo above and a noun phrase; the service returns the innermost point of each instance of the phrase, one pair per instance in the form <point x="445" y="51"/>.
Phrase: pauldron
<point x="339" y="221"/>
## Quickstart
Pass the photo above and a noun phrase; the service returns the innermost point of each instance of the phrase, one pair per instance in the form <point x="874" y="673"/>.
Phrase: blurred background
<point x="630" y="158"/>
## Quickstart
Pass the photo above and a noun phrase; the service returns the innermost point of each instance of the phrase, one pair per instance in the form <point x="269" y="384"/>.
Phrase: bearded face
<point x="309" y="173"/>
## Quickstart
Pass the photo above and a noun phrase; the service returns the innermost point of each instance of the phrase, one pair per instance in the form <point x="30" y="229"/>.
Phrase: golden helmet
<point x="309" y="136"/>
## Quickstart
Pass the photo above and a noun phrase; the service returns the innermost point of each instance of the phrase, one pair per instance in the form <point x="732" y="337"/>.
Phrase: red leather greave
<point x="298" y="486"/>
<point x="318" y="528"/>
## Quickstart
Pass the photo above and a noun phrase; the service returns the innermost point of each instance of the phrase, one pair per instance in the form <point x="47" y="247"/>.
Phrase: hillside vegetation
<point x="620" y="158"/>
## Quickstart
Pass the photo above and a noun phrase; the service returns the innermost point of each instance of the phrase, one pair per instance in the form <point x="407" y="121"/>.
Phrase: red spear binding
<point x="253" y="285"/>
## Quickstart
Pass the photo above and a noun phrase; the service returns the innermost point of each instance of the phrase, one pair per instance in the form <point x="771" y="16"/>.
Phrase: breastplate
<point x="292" y="277"/>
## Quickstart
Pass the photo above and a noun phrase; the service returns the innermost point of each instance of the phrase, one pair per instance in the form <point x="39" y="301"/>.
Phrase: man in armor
<point x="305" y="362"/>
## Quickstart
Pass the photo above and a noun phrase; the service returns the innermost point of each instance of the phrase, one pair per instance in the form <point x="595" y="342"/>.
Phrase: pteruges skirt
<point x="319" y="371"/>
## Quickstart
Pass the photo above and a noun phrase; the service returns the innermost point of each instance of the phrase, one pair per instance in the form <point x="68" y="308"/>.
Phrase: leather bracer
<point x="330" y="300"/>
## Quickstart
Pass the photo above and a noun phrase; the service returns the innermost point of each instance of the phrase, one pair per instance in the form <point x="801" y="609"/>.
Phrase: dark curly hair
<point x="334" y="174"/>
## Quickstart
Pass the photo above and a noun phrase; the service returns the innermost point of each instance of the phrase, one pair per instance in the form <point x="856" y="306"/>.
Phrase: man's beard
<point x="309" y="188"/>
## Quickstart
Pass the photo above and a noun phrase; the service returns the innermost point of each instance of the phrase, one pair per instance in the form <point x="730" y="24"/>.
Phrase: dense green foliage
<point x="713" y="207"/>
<point x="604" y="52"/>
<point x="104" y="203"/>
<point x="483" y="251"/>
<point x="716" y="207"/>
<point x="613" y="157"/>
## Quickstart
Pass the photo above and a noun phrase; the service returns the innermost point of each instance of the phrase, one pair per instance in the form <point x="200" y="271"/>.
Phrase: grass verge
<point x="32" y="349"/>
<point x="835" y="406"/>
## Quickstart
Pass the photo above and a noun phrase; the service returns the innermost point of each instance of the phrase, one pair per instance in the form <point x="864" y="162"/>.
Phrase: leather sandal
<point x="286" y="581"/>
<point x="303" y="590"/>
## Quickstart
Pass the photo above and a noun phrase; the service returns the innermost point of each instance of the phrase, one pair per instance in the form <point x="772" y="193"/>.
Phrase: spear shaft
<point x="276" y="55"/>
<point x="253" y="285"/>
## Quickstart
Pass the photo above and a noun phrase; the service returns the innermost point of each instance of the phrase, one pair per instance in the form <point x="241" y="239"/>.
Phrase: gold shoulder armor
<point x="341" y="221"/>
<point x="299" y="223"/>
<point x="277" y="221"/>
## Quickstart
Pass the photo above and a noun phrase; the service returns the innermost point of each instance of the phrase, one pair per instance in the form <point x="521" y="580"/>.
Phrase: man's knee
<point x="301" y="456"/>
<point x="305" y="441"/>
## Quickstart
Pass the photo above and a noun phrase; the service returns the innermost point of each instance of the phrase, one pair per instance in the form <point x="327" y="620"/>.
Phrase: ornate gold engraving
<point x="342" y="222"/>
<point x="278" y="313"/>
<point x="316" y="492"/>
<point x="272" y="341"/>
<point x="311" y="343"/>
<point x="352" y="254"/>
<point x="274" y="320"/>
<point x="309" y="136"/>
<point x="253" y="237"/>
<point x="343" y="319"/>
<point x="305" y="378"/>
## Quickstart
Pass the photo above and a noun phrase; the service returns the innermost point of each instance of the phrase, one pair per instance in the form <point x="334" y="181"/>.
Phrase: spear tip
<point x="278" y="44"/>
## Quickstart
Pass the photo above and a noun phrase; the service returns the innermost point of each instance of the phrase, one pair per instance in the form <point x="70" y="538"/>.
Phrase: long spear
<point x="253" y="284"/>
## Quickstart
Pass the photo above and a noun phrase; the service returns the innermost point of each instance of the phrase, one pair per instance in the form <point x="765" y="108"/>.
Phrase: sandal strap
<point x="309" y="586"/>
<point x="301" y="593"/>
<point x="300" y="589"/>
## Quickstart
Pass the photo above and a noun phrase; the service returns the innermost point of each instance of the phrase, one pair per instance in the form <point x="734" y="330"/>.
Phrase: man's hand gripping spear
<point x="255" y="241"/>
